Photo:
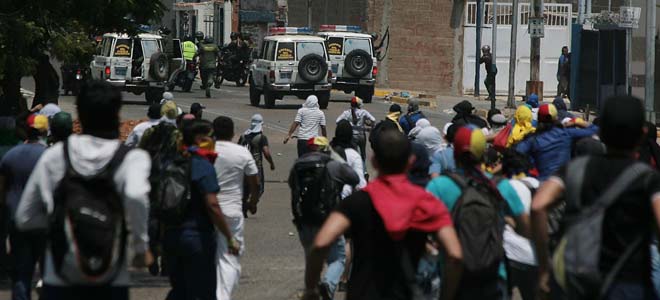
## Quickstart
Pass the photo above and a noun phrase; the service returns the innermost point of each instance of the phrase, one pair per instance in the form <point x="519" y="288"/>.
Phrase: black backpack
<point x="87" y="233"/>
<point x="170" y="176"/>
<point x="479" y="225"/>
<point x="314" y="193"/>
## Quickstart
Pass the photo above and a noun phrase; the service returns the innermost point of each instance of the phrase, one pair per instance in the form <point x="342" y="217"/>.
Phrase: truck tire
<point x="365" y="93"/>
<point x="269" y="97"/>
<point x="312" y="68"/>
<point x="255" y="96"/>
<point x="324" y="99"/>
<point x="358" y="63"/>
<point x="158" y="66"/>
<point x="153" y="95"/>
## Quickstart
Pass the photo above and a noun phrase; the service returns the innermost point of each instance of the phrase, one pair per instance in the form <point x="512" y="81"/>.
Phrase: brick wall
<point x="345" y="12"/>
<point x="423" y="44"/>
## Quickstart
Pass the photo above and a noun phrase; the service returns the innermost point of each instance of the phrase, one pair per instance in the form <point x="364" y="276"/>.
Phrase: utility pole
<point x="480" y="16"/>
<point x="581" y="11"/>
<point x="494" y="49"/>
<point x="513" y="59"/>
<point x="534" y="85"/>
<point x="649" y="96"/>
<point x="309" y="14"/>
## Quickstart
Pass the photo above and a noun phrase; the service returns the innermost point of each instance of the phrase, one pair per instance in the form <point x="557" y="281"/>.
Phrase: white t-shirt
<point x="310" y="120"/>
<point x="354" y="160"/>
<point x="234" y="162"/>
<point x="361" y="116"/>
<point x="518" y="248"/>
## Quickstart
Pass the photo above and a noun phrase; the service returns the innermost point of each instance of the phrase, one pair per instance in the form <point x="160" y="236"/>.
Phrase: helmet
<point x="485" y="48"/>
<point x="199" y="35"/>
<point x="188" y="38"/>
<point x="208" y="40"/>
<point x="234" y="35"/>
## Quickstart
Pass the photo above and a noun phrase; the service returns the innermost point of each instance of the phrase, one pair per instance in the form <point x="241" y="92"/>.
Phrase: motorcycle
<point x="232" y="67"/>
<point x="185" y="78"/>
<point x="73" y="76"/>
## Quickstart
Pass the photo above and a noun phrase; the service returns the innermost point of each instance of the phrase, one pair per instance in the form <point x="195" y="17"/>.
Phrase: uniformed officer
<point x="491" y="71"/>
<point x="208" y="55"/>
<point x="189" y="49"/>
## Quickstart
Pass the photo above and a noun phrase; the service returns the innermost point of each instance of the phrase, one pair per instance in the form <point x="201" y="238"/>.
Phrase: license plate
<point x="120" y="71"/>
<point x="285" y="75"/>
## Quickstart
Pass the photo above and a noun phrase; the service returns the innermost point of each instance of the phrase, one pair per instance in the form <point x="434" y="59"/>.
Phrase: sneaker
<point x="324" y="291"/>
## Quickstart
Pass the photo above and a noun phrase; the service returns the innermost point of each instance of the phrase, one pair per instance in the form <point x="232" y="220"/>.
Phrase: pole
<point x="536" y="44"/>
<point x="511" y="101"/>
<point x="629" y="61"/>
<point x="588" y="10"/>
<point x="309" y="14"/>
<point x="480" y="16"/>
<point x="649" y="95"/>
<point x="581" y="11"/>
<point x="494" y="48"/>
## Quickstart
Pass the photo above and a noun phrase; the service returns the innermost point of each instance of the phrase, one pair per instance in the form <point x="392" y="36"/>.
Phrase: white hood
<point x="89" y="154"/>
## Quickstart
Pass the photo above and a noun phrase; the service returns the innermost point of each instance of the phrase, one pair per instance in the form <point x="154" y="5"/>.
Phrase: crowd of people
<point x="543" y="205"/>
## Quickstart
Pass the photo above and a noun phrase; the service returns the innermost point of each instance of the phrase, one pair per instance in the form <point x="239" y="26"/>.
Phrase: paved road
<point x="273" y="264"/>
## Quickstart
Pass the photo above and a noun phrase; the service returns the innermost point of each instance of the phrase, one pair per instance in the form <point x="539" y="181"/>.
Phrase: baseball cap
<point x="470" y="139"/>
<point x="154" y="111"/>
<point x="39" y="122"/>
<point x="395" y="108"/>
<point x="547" y="113"/>
<point x="319" y="143"/>
<point x="195" y="107"/>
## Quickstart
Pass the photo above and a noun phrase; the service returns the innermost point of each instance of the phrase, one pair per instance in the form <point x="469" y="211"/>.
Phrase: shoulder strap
<point x="611" y="275"/>
<point x="575" y="172"/>
<point x="459" y="180"/>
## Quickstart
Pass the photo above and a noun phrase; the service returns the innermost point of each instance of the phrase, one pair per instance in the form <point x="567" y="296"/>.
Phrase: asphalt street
<point x="273" y="264"/>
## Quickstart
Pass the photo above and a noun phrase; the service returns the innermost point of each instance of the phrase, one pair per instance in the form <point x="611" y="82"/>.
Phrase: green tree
<point x="31" y="31"/>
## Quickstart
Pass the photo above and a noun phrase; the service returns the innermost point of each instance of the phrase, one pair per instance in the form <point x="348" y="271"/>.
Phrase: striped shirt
<point x="358" y="126"/>
<point x="310" y="120"/>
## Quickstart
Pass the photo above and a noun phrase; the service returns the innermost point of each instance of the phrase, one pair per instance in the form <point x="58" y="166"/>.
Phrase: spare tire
<point x="312" y="68"/>
<point x="358" y="63"/>
<point x="158" y="66"/>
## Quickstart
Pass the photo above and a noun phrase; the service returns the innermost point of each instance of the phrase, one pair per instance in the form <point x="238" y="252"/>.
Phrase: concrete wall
<point x="426" y="41"/>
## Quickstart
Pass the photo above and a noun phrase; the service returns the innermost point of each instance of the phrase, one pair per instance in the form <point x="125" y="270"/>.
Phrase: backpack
<point x="314" y="192"/>
<point x="479" y="225"/>
<point x="169" y="197"/>
<point x="247" y="141"/>
<point x="87" y="234"/>
<point x="576" y="260"/>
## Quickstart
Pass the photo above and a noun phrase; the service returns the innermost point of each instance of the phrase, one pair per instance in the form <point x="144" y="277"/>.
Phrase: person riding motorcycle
<point x="208" y="55"/>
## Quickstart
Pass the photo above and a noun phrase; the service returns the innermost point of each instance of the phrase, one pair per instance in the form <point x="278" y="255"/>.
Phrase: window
<point x="305" y="48"/>
<point x="353" y="44"/>
<point x="122" y="48"/>
<point x="262" y="55"/>
<point x="270" y="51"/>
<point x="149" y="47"/>
<point x="107" y="46"/>
<point x="334" y="45"/>
<point x="285" y="51"/>
<point x="176" y="44"/>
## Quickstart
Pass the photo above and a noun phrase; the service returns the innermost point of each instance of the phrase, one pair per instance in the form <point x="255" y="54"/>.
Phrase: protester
<point x="391" y="121"/>
<point x="154" y="114"/>
<point x="8" y="140"/>
<point x="496" y="121"/>
<point x="342" y="144"/>
<point x="522" y="127"/>
<point x="442" y="161"/>
<point x="67" y="167"/>
<point x="360" y="119"/>
<point x="419" y="171"/>
<point x="316" y="182"/>
<point x="256" y="142"/>
<point x="190" y="247"/>
<point x="169" y="112"/>
<point x="431" y="138"/>
<point x="308" y="121"/>
<point x="562" y="111"/>
<point x="615" y="207"/>
<point x="419" y="125"/>
<point x="472" y="196"/>
<point x="61" y="127"/>
<point x="15" y="169"/>
<point x="408" y="121"/>
<point x="649" y="151"/>
<point x="389" y="221"/>
<point x="233" y="167"/>
<point x="551" y="145"/>
<point x="167" y="96"/>
<point x="464" y="115"/>
<point x="533" y="104"/>
<point x="49" y="110"/>
<point x="197" y="110"/>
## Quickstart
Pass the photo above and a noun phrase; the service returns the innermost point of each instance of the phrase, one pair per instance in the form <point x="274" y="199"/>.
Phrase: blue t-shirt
<point x="204" y="182"/>
<point x="445" y="189"/>
<point x="16" y="166"/>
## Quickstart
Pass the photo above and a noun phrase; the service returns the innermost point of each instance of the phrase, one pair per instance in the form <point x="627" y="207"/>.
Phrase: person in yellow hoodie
<point x="522" y="127"/>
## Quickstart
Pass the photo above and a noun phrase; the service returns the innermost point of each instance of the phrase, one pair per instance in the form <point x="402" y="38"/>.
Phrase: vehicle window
<point x="270" y="51"/>
<point x="122" y="48"/>
<point x="176" y="43"/>
<point x="334" y="45"/>
<point x="352" y="44"/>
<point x="304" y="48"/>
<point x="285" y="51"/>
<point x="107" y="46"/>
<point x="262" y="54"/>
<point x="149" y="47"/>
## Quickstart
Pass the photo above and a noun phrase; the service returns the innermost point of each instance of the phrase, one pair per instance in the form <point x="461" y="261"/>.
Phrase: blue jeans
<point x="26" y="250"/>
<point x="190" y="257"/>
<point x="336" y="256"/>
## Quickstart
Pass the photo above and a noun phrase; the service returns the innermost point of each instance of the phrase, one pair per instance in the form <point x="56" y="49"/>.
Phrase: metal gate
<point x="558" y="19"/>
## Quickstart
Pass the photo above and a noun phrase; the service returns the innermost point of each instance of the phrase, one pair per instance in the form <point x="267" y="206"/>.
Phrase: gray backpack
<point x="577" y="257"/>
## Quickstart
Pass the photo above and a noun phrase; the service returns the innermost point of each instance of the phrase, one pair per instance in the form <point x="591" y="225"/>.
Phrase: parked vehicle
<point x="73" y="76"/>
<point x="292" y="62"/>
